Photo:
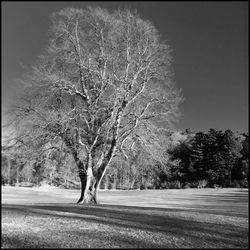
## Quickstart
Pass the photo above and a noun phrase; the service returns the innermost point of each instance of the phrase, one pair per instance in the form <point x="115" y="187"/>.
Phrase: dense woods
<point x="195" y="160"/>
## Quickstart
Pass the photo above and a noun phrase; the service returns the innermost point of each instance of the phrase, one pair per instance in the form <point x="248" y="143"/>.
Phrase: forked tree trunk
<point x="89" y="188"/>
<point x="90" y="183"/>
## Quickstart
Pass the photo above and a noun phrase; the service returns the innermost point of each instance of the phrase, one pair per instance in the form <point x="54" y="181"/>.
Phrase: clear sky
<point x="210" y="50"/>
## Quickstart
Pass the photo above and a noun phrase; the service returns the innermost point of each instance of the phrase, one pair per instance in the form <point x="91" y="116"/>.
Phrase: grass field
<point x="189" y="218"/>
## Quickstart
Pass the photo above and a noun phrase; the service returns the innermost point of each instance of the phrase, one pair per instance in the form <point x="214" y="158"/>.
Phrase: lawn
<point x="191" y="218"/>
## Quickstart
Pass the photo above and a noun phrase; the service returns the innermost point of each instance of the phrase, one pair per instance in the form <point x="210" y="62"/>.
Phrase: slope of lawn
<point x="48" y="217"/>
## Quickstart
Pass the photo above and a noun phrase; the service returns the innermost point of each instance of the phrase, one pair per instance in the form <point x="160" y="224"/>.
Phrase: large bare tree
<point x="103" y="86"/>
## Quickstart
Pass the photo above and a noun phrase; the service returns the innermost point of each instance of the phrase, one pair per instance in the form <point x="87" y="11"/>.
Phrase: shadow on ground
<point x="197" y="229"/>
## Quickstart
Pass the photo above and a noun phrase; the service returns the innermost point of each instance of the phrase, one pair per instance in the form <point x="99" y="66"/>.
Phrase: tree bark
<point x="9" y="167"/>
<point x="89" y="189"/>
<point x="66" y="182"/>
<point x="51" y="178"/>
<point x="83" y="179"/>
<point x="90" y="184"/>
<point x="17" y="176"/>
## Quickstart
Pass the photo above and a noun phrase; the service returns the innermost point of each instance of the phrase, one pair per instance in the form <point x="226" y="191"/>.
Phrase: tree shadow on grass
<point x="24" y="241"/>
<point x="87" y="240"/>
<point x="155" y="220"/>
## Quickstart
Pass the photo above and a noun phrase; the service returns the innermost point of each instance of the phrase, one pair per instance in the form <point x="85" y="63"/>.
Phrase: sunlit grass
<point x="207" y="218"/>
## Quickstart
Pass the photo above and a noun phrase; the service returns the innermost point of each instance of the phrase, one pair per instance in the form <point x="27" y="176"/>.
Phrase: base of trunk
<point x="87" y="201"/>
<point x="89" y="193"/>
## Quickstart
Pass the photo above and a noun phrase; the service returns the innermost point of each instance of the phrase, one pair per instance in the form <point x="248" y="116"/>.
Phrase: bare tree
<point x="103" y="85"/>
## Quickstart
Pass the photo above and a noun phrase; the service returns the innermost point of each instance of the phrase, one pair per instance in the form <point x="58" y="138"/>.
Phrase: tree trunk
<point x="230" y="177"/>
<point x="9" y="167"/>
<point x="51" y="178"/>
<point x="89" y="188"/>
<point x="83" y="179"/>
<point x="89" y="183"/>
<point x="66" y="182"/>
<point x="17" y="176"/>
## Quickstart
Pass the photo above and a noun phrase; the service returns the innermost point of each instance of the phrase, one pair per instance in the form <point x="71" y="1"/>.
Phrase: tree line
<point x="212" y="159"/>
<point x="195" y="160"/>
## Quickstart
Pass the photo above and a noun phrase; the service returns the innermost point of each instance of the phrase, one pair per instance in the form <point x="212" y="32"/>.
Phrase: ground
<point x="48" y="217"/>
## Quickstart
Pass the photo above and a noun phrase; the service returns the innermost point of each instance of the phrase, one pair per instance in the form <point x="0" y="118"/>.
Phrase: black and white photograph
<point x="125" y="124"/>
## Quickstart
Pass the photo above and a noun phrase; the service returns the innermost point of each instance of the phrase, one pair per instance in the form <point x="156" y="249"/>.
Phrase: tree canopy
<point x="104" y="86"/>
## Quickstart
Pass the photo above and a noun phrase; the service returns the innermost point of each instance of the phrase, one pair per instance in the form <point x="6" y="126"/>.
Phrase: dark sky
<point x="210" y="50"/>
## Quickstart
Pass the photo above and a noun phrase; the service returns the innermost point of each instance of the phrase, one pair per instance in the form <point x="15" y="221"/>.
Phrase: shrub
<point x="110" y="185"/>
<point x="244" y="183"/>
<point x="136" y="185"/>
<point x="4" y="180"/>
<point x="186" y="185"/>
<point x="26" y="184"/>
<point x="199" y="184"/>
<point x="175" y="185"/>
<point x="202" y="183"/>
<point x="235" y="184"/>
<point x="164" y="185"/>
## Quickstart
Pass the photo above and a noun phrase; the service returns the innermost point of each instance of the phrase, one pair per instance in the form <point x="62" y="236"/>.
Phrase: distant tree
<point x="16" y="160"/>
<point x="215" y="156"/>
<point x="219" y="154"/>
<point x="240" y="170"/>
<point x="231" y="152"/>
<point x="244" y="170"/>
<point x="180" y="160"/>
<point x="197" y="168"/>
<point x="5" y="168"/>
<point x="104" y="82"/>
<point x="245" y="149"/>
